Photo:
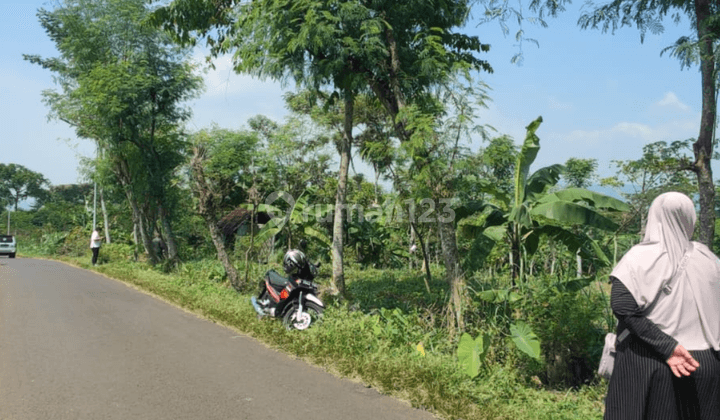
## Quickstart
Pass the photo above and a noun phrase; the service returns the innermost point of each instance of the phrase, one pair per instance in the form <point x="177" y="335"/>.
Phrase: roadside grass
<point x="374" y="338"/>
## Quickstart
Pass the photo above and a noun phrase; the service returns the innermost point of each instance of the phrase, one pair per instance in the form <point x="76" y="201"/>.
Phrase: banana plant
<point x="533" y="210"/>
<point x="298" y="218"/>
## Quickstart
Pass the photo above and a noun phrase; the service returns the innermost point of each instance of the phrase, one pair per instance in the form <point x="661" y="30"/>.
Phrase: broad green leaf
<point x="525" y="340"/>
<point x="472" y="208"/>
<point x="496" y="233"/>
<point x="471" y="353"/>
<point x="531" y="242"/>
<point x="297" y="212"/>
<point x="490" y="188"/>
<point x="270" y="229"/>
<point x="318" y="235"/>
<point x="589" y="248"/>
<point x="521" y="216"/>
<point x="594" y="199"/>
<point x="527" y="156"/>
<point x="541" y="180"/>
<point x="568" y="213"/>
<point x="599" y="253"/>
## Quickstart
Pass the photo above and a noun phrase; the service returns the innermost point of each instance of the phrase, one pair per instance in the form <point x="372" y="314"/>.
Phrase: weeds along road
<point x="76" y="345"/>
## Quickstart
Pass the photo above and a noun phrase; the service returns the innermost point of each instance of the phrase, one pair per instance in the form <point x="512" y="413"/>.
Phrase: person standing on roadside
<point x="95" y="242"/>
<point x="666" y="295"/>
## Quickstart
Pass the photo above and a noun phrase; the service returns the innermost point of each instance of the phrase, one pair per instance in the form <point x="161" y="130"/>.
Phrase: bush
<point x="571" y="326"/>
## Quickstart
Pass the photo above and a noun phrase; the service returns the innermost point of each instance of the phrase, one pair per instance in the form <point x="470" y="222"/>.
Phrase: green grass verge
<point x="364" y="346"/>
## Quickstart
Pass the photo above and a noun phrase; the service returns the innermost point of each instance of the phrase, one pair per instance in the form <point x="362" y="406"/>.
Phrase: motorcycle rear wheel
<point x="311" y="315"/>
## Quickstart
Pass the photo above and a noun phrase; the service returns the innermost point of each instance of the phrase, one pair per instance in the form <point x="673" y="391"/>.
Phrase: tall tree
<point x="396" y="50"/>
<point x="579" y="173"/>
<point x="704" y="16"/>
<point x="18" y="183"/>
<point x="660" y="169"/>
<point x="219" y="159"/>
<point x="121" y="84"/>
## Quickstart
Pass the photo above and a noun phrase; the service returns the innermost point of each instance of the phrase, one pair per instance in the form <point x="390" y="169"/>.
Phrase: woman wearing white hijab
<point x="666" y="294"/>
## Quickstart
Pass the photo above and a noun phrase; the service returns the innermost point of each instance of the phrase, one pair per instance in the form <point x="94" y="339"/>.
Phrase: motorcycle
<point x="292" y="299"/>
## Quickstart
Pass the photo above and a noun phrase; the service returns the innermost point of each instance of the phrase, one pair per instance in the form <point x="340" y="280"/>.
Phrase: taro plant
<point x="472" y="352"/>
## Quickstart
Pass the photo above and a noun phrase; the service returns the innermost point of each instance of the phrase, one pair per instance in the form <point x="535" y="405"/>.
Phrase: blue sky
<point x="601" y="96"/>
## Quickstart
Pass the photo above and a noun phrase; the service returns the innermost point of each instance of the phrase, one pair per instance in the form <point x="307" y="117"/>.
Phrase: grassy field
<point x="386" y="334"/>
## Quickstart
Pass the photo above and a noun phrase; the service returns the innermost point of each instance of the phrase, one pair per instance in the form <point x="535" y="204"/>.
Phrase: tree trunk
<point x="169" y="235"/>
<point x="223" y="256"/>
<point x="345" y="150"/>
<point x="411" y="263"/>
<point x="206" y="208"/>
<point x="453" y="276"/>
<point x="105" y="217"/>
<point x="578" y="262"/>
<point x="139" y="217"/>
<point x="252" y="238"/>
<point x="141" y="222"/>
<point x="136" y="241"/>
<point x="515" y="256"/>
<point x="426" y="265"/>
<point x="703" y="147"/>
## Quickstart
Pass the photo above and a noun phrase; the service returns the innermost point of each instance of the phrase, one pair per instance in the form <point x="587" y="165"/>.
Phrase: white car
<point x="8" y="245"/>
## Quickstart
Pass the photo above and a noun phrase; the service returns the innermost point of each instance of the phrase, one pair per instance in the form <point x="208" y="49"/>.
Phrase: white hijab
<point x="684" y="276"/>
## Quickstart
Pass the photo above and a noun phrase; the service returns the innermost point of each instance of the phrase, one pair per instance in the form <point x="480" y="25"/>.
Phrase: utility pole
<point x="95" y="207"/>
<point x="94" y="225"/>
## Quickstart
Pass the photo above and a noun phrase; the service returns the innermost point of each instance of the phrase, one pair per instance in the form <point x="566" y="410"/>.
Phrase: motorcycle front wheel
<point x="311" y="314"/>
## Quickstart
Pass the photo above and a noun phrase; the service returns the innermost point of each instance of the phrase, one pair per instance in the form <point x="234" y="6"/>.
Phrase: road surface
<point x="76" y="345"/>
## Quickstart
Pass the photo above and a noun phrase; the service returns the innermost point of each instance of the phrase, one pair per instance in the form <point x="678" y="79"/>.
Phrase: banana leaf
<point x="596" y="200"/>
<point x="568" y="213"/>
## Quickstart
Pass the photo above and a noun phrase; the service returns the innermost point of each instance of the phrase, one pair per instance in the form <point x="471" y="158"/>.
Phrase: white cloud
<point x="635" y="130"/>
<point x="620" y="141"/>
<point x="224" y="81"/>
<point x="671" y="100"/>
<point x="555" y="104"/>
<point x="230" y="98"/>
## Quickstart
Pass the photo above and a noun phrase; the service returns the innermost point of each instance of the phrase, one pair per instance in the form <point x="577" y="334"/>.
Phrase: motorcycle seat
<point x="276" y="279"/>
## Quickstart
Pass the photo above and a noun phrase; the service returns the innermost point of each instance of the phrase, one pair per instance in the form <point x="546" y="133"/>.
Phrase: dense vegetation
<point x="457" y="279"/>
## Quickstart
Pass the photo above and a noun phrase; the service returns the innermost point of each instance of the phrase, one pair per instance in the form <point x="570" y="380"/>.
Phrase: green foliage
<point x="202" y="270"/>
<point x="646" y="16"/>
<point x="398" y="329"/>
<point x="226" y="158"/>
<point x="121" y="84"/>
<point x="525" y="339"/>
<point x="535" y="210"/>
<point x="296" y="220"/>
<point x="662" y="168"/>
<point x="117" y="252"/>
<point x="471" y="353"/>
<point x="373" y="289"/>
<point x="17" y="183"/>
<point x="571" y="319"/>
<point x="272" y="40"/>
<point x="580" y="173"/>
<point x="291" y="159"/>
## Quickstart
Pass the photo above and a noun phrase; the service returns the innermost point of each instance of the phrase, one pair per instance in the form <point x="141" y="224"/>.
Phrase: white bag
<point x="607" y="360"/>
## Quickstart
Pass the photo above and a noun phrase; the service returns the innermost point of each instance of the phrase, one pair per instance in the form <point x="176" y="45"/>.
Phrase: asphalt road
<point x="76" y="345"/>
